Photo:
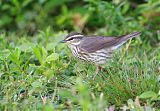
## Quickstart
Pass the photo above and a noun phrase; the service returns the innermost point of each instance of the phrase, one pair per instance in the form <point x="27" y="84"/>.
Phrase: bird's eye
<point x="70" y="39"/>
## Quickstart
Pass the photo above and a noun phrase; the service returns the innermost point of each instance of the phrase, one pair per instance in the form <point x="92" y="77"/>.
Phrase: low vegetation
<point x="39" y="73"/>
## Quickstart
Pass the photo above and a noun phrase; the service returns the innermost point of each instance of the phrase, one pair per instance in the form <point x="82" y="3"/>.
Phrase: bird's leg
<point x="98" y="68"/>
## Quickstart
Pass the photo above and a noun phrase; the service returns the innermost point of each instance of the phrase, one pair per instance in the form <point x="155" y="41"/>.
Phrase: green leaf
<point x="36" y="84"/>
<point x="50" y="46"/>
<point x="15" y="56"/>
<point x="26" y="2"/>
<point x="44" y="53"/>
<point x="4" y="54"/>
<point x="48" y="108"/>
<point x="130" y="103"/>
<point x="65" y="93"/>
<point x="52" y="57"/>
<point x="37" y="53"/>
<point x="148" y="94"/>
<point x="26" y="47"/>
<point x="17" y="53"/>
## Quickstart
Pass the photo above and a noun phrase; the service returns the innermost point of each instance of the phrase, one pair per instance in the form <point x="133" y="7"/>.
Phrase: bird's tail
<point x="125" y="38"/>
<point x="129" y="36"/>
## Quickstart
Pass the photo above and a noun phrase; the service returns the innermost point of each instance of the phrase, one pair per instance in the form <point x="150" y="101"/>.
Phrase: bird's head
<point x="73" y="38"/>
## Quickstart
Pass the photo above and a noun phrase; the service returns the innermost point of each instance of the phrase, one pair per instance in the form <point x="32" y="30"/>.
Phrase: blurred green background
<point x="101" y="16"/>
<point x="38" y="73"/>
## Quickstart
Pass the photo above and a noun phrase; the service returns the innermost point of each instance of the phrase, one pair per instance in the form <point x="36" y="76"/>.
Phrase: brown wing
<point x="92" y="44"/>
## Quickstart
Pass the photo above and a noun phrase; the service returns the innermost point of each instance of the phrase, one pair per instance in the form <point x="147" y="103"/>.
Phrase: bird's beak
<point x="62" y="41"/>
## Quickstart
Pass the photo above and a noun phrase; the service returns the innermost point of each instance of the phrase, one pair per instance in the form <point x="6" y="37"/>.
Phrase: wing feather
<point x="92" y="44"/>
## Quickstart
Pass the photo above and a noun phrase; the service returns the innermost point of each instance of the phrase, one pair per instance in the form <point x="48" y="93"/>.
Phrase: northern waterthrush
<point x="95" y="49"/>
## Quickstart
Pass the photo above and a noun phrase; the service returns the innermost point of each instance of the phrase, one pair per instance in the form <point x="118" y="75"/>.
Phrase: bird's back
<point x="95" y="43"/>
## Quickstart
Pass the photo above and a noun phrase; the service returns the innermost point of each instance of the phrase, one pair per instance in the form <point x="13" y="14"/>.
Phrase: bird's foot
<point x="98" y="69"/>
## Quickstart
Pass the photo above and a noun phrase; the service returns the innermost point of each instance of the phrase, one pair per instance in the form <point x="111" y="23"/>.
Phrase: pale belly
<point x="98" y="57"/>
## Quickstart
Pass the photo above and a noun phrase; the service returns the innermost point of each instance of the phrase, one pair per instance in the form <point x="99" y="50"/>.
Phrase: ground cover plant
<point x="39" y="73"/>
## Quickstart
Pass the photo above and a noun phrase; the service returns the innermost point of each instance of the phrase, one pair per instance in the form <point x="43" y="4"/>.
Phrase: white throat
<point x="75" y="43"/>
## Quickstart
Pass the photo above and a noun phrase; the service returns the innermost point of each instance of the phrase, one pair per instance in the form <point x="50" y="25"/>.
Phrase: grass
<point x="38" y="73"/>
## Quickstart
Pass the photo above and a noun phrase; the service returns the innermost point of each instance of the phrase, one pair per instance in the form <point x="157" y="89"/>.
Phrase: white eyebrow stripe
<point x="74" y="36"/>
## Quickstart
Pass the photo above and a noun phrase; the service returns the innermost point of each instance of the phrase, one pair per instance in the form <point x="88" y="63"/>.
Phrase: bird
<point x="95" y="49"/>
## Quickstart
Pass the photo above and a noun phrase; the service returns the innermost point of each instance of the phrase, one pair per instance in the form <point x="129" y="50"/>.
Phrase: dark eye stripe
<point x="70" y="39"/>
<point x="74" y="38"/>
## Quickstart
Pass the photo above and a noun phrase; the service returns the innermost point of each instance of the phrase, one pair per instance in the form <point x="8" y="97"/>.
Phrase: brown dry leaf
<point x="44" y="99"/>
<point x="136" y="102"/>
<point x="79" y="20"/>
<point x="124" y="108"/>
<point x="111" y="108"/>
